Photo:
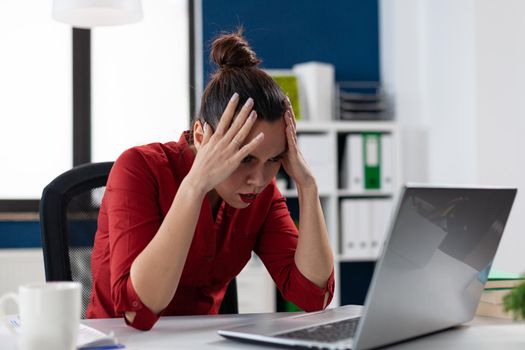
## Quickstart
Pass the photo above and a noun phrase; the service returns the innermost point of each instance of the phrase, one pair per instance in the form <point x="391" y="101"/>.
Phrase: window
<point x="140" y="80"/>
<point x="140" y="91"/>
<point x="35" y="98"/>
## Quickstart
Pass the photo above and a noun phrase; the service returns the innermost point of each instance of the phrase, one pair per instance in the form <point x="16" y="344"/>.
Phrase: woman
<point x="179" y="220"/>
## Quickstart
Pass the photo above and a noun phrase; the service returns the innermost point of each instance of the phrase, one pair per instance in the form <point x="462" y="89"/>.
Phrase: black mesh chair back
<point x="68" y="222"/>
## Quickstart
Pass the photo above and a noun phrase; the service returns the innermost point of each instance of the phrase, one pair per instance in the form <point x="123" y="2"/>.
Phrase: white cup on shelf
<point x="49" y="315"/>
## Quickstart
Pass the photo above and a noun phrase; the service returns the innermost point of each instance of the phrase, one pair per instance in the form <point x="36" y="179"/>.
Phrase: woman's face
<point x="257" y="170"/>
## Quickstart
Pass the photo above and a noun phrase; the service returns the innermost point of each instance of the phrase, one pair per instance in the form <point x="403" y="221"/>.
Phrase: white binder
<point x="381" y="209"/>
<point x="387" y="163"/>
<point x="353" y="174"/>
<point x="355" y="228"/>
<point x="356" y="168"/>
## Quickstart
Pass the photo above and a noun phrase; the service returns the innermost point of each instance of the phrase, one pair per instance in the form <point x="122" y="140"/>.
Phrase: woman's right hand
<point x="219" y="153"/>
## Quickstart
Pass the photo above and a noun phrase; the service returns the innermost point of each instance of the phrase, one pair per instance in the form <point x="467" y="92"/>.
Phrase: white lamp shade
<point x="94" y="13"/>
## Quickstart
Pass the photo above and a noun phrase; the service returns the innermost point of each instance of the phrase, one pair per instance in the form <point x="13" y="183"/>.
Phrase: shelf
<point x="367" y="194"/>
<point x="342" y="193"/>
<point x="346" y="126"/>
<point x="344" y="258"/>
<point x="293" y="194"/>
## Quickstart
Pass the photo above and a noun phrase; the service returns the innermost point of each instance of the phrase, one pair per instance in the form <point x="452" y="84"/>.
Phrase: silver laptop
<point x="430" y="276"/>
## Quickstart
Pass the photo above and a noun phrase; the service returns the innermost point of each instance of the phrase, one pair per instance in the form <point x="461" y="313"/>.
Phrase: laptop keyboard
<point x="330" y="332"/>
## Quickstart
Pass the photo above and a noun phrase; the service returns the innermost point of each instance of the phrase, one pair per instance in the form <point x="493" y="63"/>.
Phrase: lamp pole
<point x="81" y="96"/>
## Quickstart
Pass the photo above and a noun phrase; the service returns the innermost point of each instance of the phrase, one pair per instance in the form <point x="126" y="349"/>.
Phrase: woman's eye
<point x="247" y="159"/>
<point x="275" y="159"/>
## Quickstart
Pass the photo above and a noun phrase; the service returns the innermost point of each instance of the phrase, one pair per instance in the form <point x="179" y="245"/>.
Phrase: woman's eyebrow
<point x="278" y="155"/>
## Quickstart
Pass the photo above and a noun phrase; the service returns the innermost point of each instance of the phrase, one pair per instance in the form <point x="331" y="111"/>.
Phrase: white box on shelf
<point x="318" y="151"/>
<point x="316" y="88"/>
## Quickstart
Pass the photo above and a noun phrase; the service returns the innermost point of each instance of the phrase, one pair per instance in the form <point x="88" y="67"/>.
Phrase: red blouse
<point x="139" y="193"/>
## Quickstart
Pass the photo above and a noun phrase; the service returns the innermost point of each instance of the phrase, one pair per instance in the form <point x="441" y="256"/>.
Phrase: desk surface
<point x="200" y="332"/>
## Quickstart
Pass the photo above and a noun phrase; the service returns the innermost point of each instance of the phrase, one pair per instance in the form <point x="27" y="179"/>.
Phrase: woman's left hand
<point x="293" y="161"/>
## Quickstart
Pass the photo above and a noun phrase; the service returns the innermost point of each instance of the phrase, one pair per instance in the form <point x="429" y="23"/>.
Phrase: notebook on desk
<point x="429" y="277"/>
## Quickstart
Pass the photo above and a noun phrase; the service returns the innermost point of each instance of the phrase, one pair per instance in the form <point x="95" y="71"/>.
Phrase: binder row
<point x="364" y="226"/>
<point x="367" y="163"/>
<point x="364" y="187"/>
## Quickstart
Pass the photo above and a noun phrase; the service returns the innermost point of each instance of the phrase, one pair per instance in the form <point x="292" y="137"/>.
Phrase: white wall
<point x="17" y="267"/>
<point x="402" y="75"/>
<point x="140" y="89"/>
<point x="500" y="101"/>
<point x="455" y="68"/>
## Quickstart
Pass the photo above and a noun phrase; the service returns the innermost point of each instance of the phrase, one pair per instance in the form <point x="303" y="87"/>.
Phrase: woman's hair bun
<point x="232" y="50"/>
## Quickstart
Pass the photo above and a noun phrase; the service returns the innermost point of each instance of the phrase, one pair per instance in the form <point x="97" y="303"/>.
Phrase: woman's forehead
<point x="274" y="141"/>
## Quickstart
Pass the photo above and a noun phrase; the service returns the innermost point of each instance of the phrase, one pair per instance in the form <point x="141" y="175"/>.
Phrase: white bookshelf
<point x="331" y="197"/>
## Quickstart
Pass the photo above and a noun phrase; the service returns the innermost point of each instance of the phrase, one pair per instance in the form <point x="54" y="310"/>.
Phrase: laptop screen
<point x="435" y="262"/>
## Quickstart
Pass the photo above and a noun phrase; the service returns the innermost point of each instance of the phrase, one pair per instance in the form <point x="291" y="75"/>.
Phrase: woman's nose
<point x="256" y="177"/>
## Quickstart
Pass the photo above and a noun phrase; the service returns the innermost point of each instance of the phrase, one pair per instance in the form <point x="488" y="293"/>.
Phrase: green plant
<point x="515" y="302"/>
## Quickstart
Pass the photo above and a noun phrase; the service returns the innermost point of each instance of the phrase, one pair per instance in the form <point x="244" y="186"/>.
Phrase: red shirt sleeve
<point x="276" y="248"/>
<point x="134" y="219"/>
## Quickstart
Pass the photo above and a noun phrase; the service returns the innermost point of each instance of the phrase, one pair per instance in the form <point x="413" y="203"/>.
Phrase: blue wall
<point x="20" y="234"/>
<point x="282" y="33"/>
<point x="26" y="234"/>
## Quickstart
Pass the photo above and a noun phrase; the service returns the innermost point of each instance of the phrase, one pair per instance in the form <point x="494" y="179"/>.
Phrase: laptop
<point x="429" y="277"/>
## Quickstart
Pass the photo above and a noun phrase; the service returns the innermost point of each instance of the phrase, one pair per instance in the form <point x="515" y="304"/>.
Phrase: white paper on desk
<point x="87" y="336"/>
<point x="91" y="337"/>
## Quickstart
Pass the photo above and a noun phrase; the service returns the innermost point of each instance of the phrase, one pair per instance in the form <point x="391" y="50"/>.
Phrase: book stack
<point x="363" y="101"/>
<point x="498" y="285"/>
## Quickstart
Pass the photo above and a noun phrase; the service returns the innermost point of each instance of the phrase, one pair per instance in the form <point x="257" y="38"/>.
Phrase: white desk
<point x="200" y="332"/>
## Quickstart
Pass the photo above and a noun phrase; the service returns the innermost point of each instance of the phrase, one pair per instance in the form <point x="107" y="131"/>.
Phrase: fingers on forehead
<point x="228" y="115"/>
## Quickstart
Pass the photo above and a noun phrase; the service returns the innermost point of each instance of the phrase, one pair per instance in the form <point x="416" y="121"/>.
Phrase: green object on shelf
<point x="372" y="160"/>
<point x="291" y="307"/>
<point x="289" y="84"/>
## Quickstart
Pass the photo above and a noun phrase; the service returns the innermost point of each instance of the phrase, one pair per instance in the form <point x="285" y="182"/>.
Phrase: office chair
<point x="68" y="222"/>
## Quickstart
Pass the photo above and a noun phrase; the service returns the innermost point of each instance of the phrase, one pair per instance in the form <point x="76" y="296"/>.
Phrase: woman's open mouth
<point x="248" y="197"/>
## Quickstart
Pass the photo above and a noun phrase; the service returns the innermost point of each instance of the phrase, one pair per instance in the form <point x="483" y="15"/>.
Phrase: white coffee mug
<point x="49" y="314"/>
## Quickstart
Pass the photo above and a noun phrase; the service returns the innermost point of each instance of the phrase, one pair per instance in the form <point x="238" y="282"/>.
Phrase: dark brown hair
<point x="238" y="72"/>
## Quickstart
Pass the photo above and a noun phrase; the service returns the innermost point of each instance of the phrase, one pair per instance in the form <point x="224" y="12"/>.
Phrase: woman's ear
<point x="198" y="133"/>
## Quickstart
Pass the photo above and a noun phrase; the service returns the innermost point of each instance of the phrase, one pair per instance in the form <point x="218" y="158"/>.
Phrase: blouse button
<point x="135" y="303"/>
